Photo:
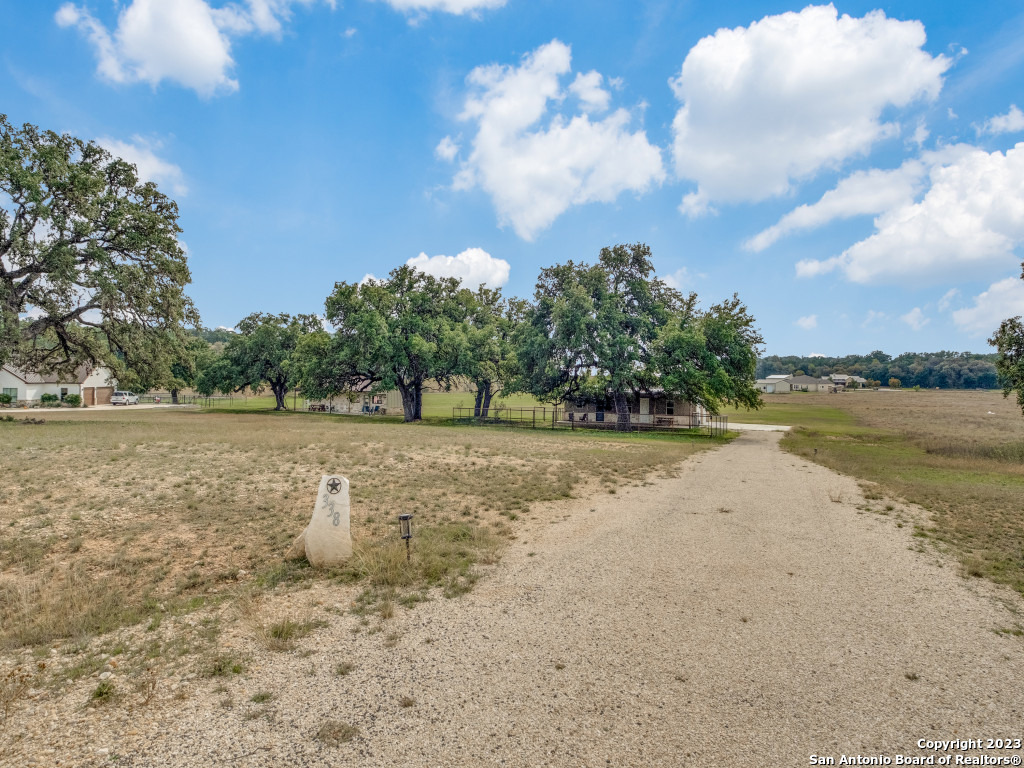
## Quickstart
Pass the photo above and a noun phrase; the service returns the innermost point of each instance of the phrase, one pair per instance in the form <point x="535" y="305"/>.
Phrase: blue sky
<point x="851" y="170"/>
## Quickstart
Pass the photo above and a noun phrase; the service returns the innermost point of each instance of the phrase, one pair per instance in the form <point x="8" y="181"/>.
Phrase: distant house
<point x="381" y="403"/>
<point x="655" y="408"/>
<point x="775" y="384"/>
<point x="93" y="385"/>
<point x="843" y="380"/>
<point x="809" y="384"/>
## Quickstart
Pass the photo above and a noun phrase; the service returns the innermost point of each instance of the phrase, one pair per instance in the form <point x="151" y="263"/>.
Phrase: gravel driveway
<point x="745" y="613"/>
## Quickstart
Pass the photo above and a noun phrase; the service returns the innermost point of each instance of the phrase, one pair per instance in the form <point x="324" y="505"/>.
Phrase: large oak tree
<point x="264" y="352"/>
<point x="91" y="269"/>
<point x="612" y="329"/>
<point x="396" y="333"/>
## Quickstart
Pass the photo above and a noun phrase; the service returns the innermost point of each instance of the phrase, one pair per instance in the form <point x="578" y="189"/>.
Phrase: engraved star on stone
<point x="334" y="485"/>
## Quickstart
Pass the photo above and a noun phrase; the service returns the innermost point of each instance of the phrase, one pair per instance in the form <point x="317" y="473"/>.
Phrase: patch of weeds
<point x="13" y="687"/>
<point x="223" y="665"/>
<point x="262" y="697"/>
<point x="392" y="639"/>
<point x="406" y="701"/>
<point x="410" y="600"/>
<point x="973" y="566"/>
<point x="343" y="668"/>
<point x="285" y="572"/>
<point x="84" y="668"/>
<point x="282" y="635"/>
<point x="912" y="676"/>
<point x="334" y="732"/>
<point x="559" y="665"/>
<point x="104" y="693"/>
<point x="1010" y="631"/>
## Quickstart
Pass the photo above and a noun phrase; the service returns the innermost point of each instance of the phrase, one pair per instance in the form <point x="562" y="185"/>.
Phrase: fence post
<point x="534" y="418"/>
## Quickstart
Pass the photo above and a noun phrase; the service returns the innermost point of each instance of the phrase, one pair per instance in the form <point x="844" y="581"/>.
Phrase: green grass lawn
<point x="440" y="404"/>
<point x="810" y="412"/>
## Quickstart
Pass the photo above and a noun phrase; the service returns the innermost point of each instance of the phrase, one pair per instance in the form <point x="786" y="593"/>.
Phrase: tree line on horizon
<point x="928" y="370"/>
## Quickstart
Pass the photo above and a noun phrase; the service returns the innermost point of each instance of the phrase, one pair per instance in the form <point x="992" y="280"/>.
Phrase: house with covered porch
<point x="654" y="408"/>
<point x="388" y="403"/>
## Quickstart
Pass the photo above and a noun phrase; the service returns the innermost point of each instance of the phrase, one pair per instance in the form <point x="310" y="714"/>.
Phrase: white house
<point x="93" y="385"/>
<point x="774" y="384"/>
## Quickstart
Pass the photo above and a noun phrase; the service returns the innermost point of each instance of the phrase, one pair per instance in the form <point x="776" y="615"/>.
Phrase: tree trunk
<point x="280" y="390"/>
<point x="408" y="402"/>
<point x="174" y="396"/>
<point x="419" y="401"/>
<point x="487" y="399"/>
<point x="621" y="412"/>
<point x="478" y="402"/>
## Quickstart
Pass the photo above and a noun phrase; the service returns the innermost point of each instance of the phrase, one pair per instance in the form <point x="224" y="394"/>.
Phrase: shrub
<point x="73" y="401"/>
<point x="5" y="399"/>
<point x="48" y="399"/>
<point x="895" y="383"/>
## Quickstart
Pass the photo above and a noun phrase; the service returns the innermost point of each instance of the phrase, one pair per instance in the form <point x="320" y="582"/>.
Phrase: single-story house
<point x="655" y="408"/>
<point x="383" y="403"/>
<point x="93" y="385"/>
<point x="774" y="384"/>
<point x="809" y="384"/>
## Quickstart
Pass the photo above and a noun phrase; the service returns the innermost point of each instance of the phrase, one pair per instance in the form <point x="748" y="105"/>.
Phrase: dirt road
<point x="745" y="613"/>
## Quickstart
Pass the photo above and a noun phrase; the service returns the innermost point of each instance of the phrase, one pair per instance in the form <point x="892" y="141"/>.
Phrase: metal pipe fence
<point x="562" y="418"/>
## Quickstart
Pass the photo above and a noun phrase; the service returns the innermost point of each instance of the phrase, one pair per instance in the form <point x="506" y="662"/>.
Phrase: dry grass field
<point x="959" y="454"/>
<point x="114" y="518"/>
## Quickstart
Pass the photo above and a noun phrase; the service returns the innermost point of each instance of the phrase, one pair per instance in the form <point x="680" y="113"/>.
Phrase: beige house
<point x="653" y="408"/>
<point x="381" y="403"/>
<point x="776" y="384"/>
<point x="93" y="385"/>
<point x="809" y="384"/>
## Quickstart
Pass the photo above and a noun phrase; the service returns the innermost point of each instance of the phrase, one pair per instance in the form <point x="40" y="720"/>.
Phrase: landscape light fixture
<point x="406" y="523"/>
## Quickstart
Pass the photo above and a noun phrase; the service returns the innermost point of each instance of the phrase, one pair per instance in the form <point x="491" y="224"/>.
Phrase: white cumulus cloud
<point x="447" y="149"/>
<point x="970" y="219"/>
<point x="808" y="322"/>
<point x="473" y="266"/>
<point x="535" y="164"/>
<point x="186" y="41"/>
<point x="142" y="154"/>
<point x="770" y="104"/>
<point x="1011" y="122"/>
<point x="947" y="299"/>
<point x="863" y="192"/>
<point x="458" y="7"/>
<point x="680" y="279"/>
<point x="587" y="87"/>
<point x="1002" y="300"/>
<point x="915" y="319"/>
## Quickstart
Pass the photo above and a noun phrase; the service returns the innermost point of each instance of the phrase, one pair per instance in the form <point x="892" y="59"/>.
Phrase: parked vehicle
<point x="124" y="398"/>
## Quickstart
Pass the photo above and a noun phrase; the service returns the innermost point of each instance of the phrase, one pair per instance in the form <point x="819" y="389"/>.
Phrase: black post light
<point x="406" y="523"/>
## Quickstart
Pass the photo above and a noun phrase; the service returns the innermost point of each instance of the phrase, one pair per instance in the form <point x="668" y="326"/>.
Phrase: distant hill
<point x="946" y="370"/>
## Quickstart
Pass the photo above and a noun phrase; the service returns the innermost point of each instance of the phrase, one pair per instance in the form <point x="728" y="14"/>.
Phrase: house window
<point x="670" y="407"/>
<point x="13" y="392"/>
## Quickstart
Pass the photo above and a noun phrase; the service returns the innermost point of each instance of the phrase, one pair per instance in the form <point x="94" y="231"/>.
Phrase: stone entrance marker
<point x="327" y="539"/>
